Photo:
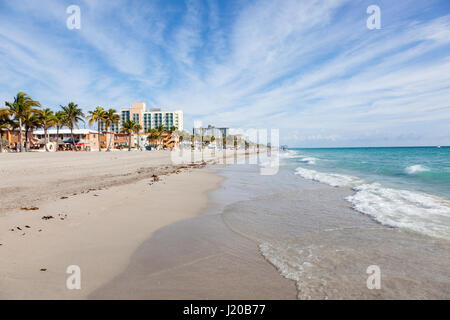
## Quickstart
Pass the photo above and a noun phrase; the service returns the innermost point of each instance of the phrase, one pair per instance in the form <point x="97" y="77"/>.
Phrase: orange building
<point x="121" y="140"/>
<point x="85" y="139"/>
<point x="12" y="136"/>
<point x="115" y="140"/>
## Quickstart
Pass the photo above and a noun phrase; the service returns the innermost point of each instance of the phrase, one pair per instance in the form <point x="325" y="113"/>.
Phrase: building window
<point x="125" y="116"/>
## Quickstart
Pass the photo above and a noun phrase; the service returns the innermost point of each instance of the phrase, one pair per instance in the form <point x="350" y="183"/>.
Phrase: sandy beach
<point x="141" y="227"/>
<point x="102" y="207"/>
<point x="95" y="210"/>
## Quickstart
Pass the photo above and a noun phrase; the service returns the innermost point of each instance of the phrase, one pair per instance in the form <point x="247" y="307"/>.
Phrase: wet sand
<point x="198" y="258"/>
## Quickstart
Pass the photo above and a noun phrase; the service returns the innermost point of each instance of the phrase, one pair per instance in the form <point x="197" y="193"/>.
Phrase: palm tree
<point x="48" y="120"/>
<point x="60" y="121"/>
<point x="5" y="123"/>
<point x="138" y="128"/>
<point x="98" y="115"/>
<point x="161" y="129"/>
<point x="4" y="115"/>
<point x="196" y="138"/>
<point x="153" y="135"/>
<point x="31" y="121"/>
<point x="73" y="115"/>
<point x="111" y="118"/>
<point x="22" y="105"/>
<point x="129" y="127"/>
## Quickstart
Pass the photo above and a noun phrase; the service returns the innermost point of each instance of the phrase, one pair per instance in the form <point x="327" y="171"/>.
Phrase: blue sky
<point x="310" y="68"/>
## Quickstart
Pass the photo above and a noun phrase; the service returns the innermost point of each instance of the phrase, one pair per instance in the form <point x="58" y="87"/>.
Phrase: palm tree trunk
<point x="46" y="140"/>
<point x="26" y="139"/>
<point x="73" y="139"/>
<point x="20" y="134"/>
<point x="129" y="142"/>
<point x="57" y="138"/>
<point x="98" y="136"/>
<point x="110" y="138"/>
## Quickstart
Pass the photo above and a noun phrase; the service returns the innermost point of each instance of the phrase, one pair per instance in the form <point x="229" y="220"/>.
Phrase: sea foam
<point x="308" y="160"/>
<point x="332" y="179"/>
<point x="417" y="168"/>
<point x="415" y="211"/>
<point x="292" y="262"/>
<point x="404" y="209"/>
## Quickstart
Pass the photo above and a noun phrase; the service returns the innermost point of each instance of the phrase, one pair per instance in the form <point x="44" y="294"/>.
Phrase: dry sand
<point x="29" y="178"/>
<point x="103" y="207"/>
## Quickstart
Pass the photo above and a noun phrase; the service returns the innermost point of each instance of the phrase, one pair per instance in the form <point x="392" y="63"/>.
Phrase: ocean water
<point x="399" y="187"/>
<point x="423" y="169"/>
<point x="329" y="214"/>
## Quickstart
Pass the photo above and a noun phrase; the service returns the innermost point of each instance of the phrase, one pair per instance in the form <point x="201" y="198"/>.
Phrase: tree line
<point x="26" y="114"/>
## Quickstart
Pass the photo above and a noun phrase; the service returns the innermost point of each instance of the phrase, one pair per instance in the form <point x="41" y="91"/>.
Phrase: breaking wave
<point x="332" y="179"/>
<point x="416" y="169"/>
<point x="404" y="209"/>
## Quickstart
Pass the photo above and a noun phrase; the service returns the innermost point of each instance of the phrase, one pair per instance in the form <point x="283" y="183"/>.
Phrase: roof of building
<point x="153" y="110"/>
<point x="65" y="131"/>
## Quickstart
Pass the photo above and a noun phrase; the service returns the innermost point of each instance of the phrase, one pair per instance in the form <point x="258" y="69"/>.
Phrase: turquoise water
<point x="423" y="169"/>
<point x="406" y="188"/>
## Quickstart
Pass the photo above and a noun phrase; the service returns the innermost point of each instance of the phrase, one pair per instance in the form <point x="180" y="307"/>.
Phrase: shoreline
<point x="199" y="258"/>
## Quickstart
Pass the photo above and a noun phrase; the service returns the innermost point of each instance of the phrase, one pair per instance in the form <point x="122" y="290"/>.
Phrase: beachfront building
<point x="211" y="136"/>
<point x="140" y="140"/>
<point x="12" y="138"/>
<point x="212" y="131"/>
<point x="148" y="119"/>
<point x="114" y="140"/>
<point x="85" y="139"/>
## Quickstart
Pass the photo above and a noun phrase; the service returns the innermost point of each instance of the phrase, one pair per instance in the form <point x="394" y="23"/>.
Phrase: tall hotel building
<point x="148" y="119"/>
